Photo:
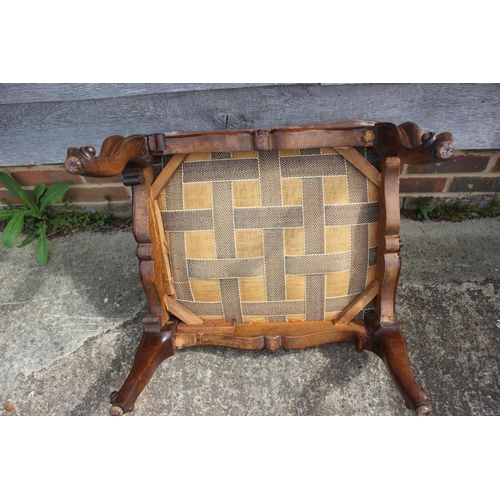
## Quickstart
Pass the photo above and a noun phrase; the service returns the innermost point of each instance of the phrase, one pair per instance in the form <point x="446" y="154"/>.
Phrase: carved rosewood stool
<point x="284" y="237"/>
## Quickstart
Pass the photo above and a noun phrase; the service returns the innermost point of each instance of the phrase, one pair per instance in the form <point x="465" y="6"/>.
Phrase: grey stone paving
<point x="68" y="333"/>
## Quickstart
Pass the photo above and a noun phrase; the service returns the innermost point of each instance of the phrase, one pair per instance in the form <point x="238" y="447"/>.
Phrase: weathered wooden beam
<point x="39" y="132"/>
<point x="17" y="93"/>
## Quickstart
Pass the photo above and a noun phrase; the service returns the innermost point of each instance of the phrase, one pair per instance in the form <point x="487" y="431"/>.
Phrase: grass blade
<point x="42" y="254"/>
<point x="13" y="229"/>
<point x="29" y="239"/>
<point x="14" y="188"/>
<point x="39" y="190"/>
<point x="7" y="214"/>
<point x="53" y="194"/>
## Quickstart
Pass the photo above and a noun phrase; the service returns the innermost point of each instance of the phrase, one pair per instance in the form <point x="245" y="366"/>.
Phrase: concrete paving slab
<point x="68" y="334"/>
<point x="439" y="252"/>
<point x="88" y="286"/>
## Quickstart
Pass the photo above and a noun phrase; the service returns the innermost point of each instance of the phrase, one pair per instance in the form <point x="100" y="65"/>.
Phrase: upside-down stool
<point x="283" y="237"/>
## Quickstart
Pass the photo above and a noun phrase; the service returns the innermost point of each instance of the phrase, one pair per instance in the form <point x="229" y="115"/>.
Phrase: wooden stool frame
<point x="170" y="325"/>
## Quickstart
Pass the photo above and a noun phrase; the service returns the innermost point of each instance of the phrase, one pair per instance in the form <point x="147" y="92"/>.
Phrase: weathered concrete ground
<point x="68" y="334"/>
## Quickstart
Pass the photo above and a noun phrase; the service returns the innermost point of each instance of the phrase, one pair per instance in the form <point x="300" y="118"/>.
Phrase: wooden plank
<point x="361" y="163"/>
<point x="388" y="242"/>
<point x="212" y="325"/>
<point x="166" y="174"/>
<point x="272" y="336"/>
<point x="165" y="261"/>
<point x="247" y="141"/>
<point x="183" y="313"/>
<point x="17" y="93"/>
<point x="41" y="132"/>
<point x="355" y="307"/>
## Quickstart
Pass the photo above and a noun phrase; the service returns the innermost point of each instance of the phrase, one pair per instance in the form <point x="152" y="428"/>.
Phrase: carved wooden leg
<point x="154" y="348"/>
<point x="388" y="343"/>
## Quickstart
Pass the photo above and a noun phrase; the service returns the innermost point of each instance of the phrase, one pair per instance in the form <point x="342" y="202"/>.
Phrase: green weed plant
<point x="423" y="208"/>
<point x="35" y="219"/>
<point x="454" y="211"/>
<point x="36" y="210"/>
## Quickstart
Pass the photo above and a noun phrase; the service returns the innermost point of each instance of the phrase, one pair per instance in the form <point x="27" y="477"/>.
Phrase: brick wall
<point x="87" y="193"/>
<point x="472" y="175"/>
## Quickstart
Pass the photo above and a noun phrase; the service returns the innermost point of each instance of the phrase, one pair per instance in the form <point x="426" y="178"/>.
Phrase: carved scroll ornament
<point x="116" y="153"/>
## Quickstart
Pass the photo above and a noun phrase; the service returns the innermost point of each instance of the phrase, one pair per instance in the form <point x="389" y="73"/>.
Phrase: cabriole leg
<point x="154" y="348"/>
<point x="388" y="343"/>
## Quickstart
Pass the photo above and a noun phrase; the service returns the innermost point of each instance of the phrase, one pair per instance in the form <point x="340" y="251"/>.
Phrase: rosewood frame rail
<point x="170" y="326"/>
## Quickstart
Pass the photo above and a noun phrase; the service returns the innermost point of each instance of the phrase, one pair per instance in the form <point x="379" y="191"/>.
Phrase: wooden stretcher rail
<point x="258" y="140"/>
<point x="272" y="336"/>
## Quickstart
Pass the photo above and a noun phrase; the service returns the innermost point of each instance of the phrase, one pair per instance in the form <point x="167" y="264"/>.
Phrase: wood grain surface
<point x="16" y="93"/>
<point x="40" y="132"/>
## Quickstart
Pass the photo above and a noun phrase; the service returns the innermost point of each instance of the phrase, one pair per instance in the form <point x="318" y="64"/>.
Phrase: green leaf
<point x="13" y="229"/>
<point x="53" y="194"/>
<point x="29" y="239"/>
<point x="7" y="214"/>
<point x="39" y="190"/>
<point x="42" y="254"/>
<point x="14" y="188"/>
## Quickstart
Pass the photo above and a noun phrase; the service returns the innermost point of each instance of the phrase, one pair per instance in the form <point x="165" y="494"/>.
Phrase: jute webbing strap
<point x="271" y="235"/>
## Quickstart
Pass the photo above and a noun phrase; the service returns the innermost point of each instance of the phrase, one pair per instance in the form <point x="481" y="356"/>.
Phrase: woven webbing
<point x="272" y="235"/>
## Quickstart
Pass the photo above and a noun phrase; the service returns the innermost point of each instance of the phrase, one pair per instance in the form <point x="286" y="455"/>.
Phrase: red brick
<point x="104" y="180"/>
<point x="462" y="161"/>
<point x="496" y="167"/>
<point x="475" y="184"/>
<point x="48" y="177"/>
<point x="4" y="194"/>
<point x="422" y="185"/>
<point x="82" y="195"/>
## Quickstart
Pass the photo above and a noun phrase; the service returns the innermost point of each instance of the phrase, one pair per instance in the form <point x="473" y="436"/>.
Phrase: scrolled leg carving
<point x="441" y="146"/>
<point x="387" y="342"/>
<point x="155" y="347"/>
<point x="116" y="152"/>
<point x="410" y="146"/>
